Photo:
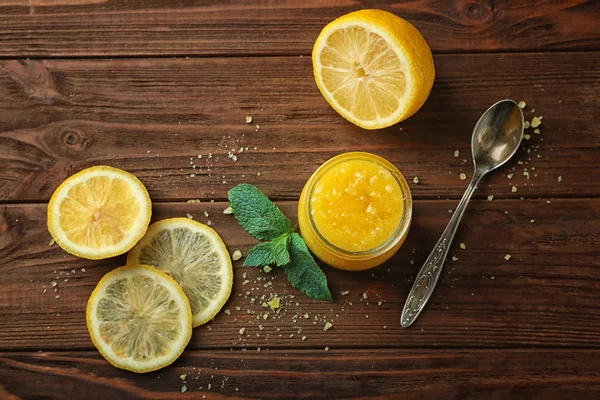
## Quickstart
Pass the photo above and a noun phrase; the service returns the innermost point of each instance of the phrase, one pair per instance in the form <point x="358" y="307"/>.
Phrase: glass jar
<point x="355" y="211"/>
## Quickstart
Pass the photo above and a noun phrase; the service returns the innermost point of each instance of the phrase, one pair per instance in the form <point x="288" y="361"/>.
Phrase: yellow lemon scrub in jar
<point x="355" y="211"/>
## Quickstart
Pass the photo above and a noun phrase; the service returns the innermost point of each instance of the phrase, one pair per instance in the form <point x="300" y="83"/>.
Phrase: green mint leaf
<point x="273" y="252"/>
<point x="303" y="272"/>
<point x="256" y="213"/>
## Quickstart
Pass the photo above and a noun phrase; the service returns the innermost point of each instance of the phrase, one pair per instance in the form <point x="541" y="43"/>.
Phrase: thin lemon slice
<point x="373" y="68"/>
<point x="195" y="256"/>
<point x="99" y="212"/>
<point x="139" y="318"/>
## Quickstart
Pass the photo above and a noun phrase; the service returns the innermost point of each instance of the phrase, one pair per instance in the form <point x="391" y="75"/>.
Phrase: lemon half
<point x="373" y="67"/>
<point x="139" y="318"/>
<point x="195" y="256"/>
<point x="99" y="212"/>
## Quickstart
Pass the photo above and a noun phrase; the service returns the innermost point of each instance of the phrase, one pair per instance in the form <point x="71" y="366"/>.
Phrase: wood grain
<point x="313" y="374"/>
<point x="547" y="294"/>
<point x="41" y="28"/>
<point x="154" y="117"/>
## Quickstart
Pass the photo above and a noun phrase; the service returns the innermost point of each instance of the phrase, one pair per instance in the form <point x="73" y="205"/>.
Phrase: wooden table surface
<point x="147" y="86"/>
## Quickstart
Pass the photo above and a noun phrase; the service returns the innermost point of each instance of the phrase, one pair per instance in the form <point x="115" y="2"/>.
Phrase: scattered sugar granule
<point x="326" y="348"/>
<point x="416" y="179"/>
<point x="328" y="326"/>
<point x="51" y="242"/>
<point x="536" y="130"/>
<point x="228" y="210"/>
<point x="365" y="296"/>
<point x="532" y="221"/>
<point x="463" y="246"/>
<point x="526" y="125"/>
<point x="456" y="153"/>
<point x="236" y="255"/>
<point x="242" y="330"/>
<point x="514" y="189"/>
<point x="490" y="197"/>
<point x="274" y="304"/>
<point x="190" y="216"/>
<point x="527" y="136"/>
<point x="454" y="258"/>
<point x="559" y="179"/>
<point x="53" y="284"/>
<point x="344" y="292"/>
<point x="183" y="377"/>
<point x="507" y="257"/>
<point x="463" y="176"/>
<point x="536" y="121"/>
<point x="522" y="104"/>
<point x="227" y="312"/>
<point x="194" y="201"/>
<point x="82" y="269"/>
<point x="183" y="389"/>
<point x="206" y="214"/>
<point x="209" y="223"/>
<point x="267" y="269"/>
<point x="303" y="337"/>
<point x="248" y="119"/>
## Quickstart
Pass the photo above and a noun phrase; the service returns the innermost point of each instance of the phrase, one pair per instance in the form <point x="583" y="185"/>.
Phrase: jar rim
<point x="404" y="223"/>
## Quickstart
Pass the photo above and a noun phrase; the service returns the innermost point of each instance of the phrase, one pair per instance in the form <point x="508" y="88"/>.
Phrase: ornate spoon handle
<point x="427" y="277"/>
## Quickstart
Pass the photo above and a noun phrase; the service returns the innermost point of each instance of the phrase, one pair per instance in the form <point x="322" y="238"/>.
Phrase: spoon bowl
<point x="496" y="138"/>
<point x="497" y="135"/>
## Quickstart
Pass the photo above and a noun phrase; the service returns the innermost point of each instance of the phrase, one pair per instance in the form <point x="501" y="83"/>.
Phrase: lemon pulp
<point x="98" y="212"/>
<point x="364" y="74"/>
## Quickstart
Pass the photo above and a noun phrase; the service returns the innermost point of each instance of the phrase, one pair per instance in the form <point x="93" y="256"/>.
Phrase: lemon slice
<point x="99" y="212"/>
<point x="195" y="256"/>
<point x="139" y="318"/>
<point x="373" y="68"/>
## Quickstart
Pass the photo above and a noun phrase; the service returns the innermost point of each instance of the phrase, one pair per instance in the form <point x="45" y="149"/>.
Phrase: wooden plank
<point x="38" y="28"/>
<point x="546" y="295"/>
<point x="315" y="374"/>
<point x="154" y="117"/>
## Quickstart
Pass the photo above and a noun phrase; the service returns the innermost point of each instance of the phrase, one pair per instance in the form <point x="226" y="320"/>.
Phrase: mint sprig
<point x="284" y="248"/>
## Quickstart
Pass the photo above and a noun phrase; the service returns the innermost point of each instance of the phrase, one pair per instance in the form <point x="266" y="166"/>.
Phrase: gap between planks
<point x="268" y="55"/>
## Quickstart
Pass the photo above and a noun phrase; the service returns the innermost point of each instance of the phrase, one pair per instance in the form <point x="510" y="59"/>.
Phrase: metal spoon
<point x="496" y="137"/>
